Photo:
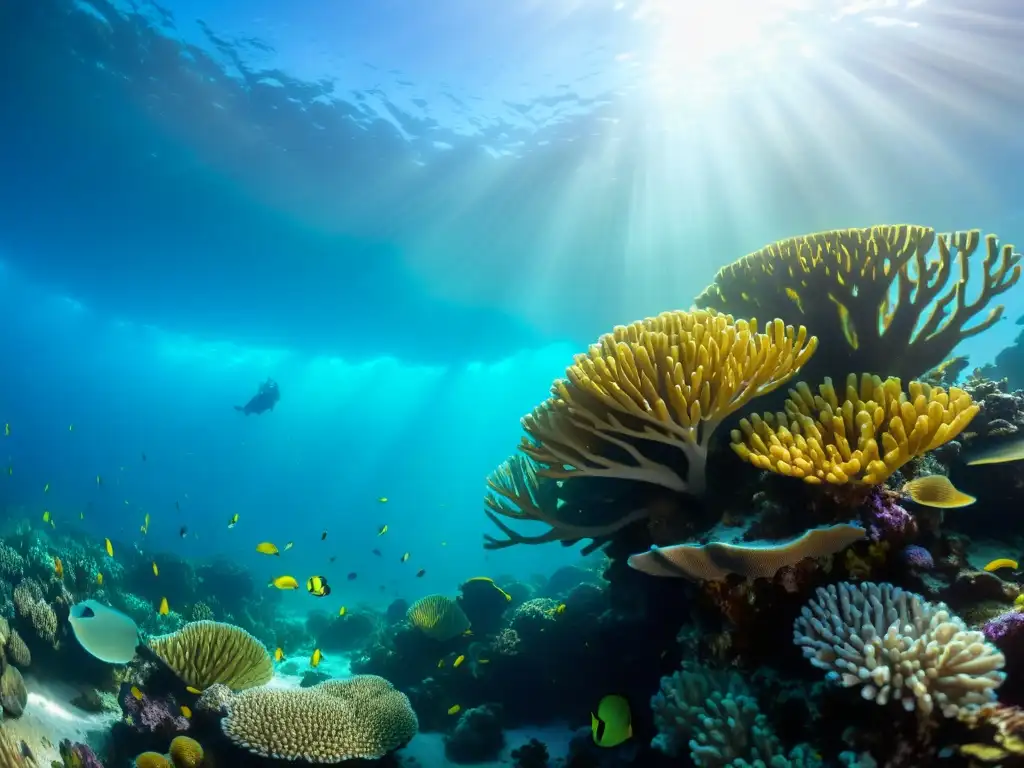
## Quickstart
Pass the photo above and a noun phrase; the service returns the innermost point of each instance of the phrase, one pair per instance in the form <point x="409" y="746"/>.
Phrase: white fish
<point x="105" y="633"/>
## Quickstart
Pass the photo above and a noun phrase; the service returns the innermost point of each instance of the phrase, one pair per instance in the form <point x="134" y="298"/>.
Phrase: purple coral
<point x="1004" y="629"/>
<point x="886" y="520"/>
<point x="152" y="714"/>
<point x="79" y="755"/>
<point x="918" y="557"/>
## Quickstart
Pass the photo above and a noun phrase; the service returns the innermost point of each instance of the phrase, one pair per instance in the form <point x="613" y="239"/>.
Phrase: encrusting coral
<point x="874" y="430"/>
<point x="840" y="284"/>
<point x="206" y="652"/>
<point x="666" y="381"/>
<point x="897" y="646"/>
<point x="361" y="717"/>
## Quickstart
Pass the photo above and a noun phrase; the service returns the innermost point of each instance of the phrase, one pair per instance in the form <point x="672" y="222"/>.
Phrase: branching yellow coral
<point x="879" y="298"/>
<point x="644" y="400"/>
<point x="874" y="430"/>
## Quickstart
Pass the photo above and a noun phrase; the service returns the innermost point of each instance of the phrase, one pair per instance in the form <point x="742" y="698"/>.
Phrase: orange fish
<point x="58" y="567"/>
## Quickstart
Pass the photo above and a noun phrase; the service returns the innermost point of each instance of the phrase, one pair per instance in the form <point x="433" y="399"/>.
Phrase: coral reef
<point x="203" y="653"/>
<point x="477" y="737"/>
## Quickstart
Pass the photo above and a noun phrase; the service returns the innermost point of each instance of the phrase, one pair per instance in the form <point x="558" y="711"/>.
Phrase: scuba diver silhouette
<point x="262" y="401"/>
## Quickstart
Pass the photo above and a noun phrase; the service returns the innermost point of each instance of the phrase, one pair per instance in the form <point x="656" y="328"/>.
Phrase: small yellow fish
<point x="1002" y="562"/>
<point x="186" y="712"/>
<point x="382" y="530"/>
<point x="136" y="693"/>
<point x="458" y="661"/>
<point x="164" y="608"/>
<point x="314" y="660"/>
<point x="46" y="515"/>
<point x="1019" y="602"/>
<point x="405" y="557"/>
<point x="342" y="611"/>
<point x="279" y="654"/>
<point x="99" y="579"/>
<point x="46" y="488"/>
<point x="483" y="661"/>
<point x="145" y="521"/>
<point x="440" y="664"/>
<point x="7" y="430"/>
<point x="109" y="547"/>
<point x="284" y="582"/>
<point x="193" y="691"/>
<point x="266" y="548"/>
<point x="99" y="480"/>
<point x="454" y="710"/>
<point x="383" y="499"/>
<point x="156" y="571"/>
<point x="58" y="567"/>
<point x="233" y="521"/>
<point x="560" y="609"/>
<point x="936" y="491"/>
<point x="289" y="545"/>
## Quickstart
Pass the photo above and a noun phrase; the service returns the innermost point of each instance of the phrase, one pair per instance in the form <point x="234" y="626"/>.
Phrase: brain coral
<point x="206" y="652"/>
<point x="152" y="760"/>
<point x="186" y="752"/>
<point x="362" y="717"/>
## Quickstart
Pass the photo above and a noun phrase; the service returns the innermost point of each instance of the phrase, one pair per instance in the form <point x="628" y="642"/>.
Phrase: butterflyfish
<point x="459" y="661"/>
<point x="109" y="547"/>
<point x="382" y="530"/>
<point x="454" y="710"/>
<point x="936" y="491"/>
<point x="164" y="608"/>
<point x="612" y="725"/>
<point x="279" y="654"/>
<point x="284" y="582"/>
<point x="105" y="633"/>
<point x="342" y="611"/>
<point x="314" y="660"/>
<point x="156" y="571"/>
<point x="186" y="712"/>
<point x="136" y="693"/>
<point x="997" y="453"/>
<point x="1001" y="562"/>
<point x="266" y="548"/>
<point x="58" y="567"/>
<point x="405" y="557"/>
<point x="233" y="521"/>
<point x="193" y="691"/>
<point x="317" y="586"/>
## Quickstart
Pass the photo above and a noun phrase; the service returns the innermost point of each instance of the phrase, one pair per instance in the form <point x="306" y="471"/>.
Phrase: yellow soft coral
<point x="874" y="430"/>
<point x="337" y="720"/>
<point x="878" y="297"/>
<point x="206" y="652"/>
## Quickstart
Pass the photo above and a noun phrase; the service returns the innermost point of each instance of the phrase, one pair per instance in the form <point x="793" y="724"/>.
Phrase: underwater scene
<point x="576" y="383"/>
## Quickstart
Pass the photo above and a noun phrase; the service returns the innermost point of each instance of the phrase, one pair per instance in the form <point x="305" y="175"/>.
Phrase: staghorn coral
<point x="361" y="717"/>
<point x="711" y="716"/>
<point x="877" y="297"/>
<point x="185" y="752"/>
<point x="717" y="560"/>
<point x="897" y="646"/>
<point x="438" y="617"/>
<point x="665" y="381"/>
<point x="206" y="652"/>
<point x="872" y="432"/>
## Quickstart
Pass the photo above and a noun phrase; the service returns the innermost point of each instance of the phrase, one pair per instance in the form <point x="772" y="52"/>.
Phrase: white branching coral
<point x="897" y="646"/>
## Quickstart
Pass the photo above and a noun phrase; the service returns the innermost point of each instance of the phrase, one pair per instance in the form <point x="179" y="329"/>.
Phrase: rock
<point x="13" y="696"/>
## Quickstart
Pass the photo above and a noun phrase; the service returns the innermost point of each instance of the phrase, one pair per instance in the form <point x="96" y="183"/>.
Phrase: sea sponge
<point x="152" y="760"/>
<point x="438" y="616"/>
<point x="186" y="752"/>
<point x="715" y="561"/>
<point x="877" y="297"/>
<point x="361" y="717"/>
<point x="897" y="646"/>
<point x="821" y="438"/>
<point x="17" y="652"/>
<point x="206" y="652"/>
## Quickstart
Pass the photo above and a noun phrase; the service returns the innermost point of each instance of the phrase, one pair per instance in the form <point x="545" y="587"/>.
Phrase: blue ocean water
<point x="411" y="215"/>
